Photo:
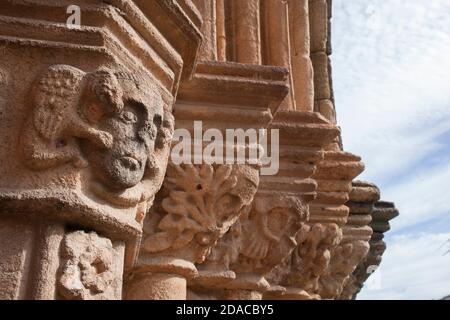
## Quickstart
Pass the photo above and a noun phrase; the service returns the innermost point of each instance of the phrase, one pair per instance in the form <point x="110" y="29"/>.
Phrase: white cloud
<point x="391" y="60"/>
<point x="392" y="83"/>
<point x="424" y="195"/>
<point x="391" y="74"/>
<point x="413" y="267"/>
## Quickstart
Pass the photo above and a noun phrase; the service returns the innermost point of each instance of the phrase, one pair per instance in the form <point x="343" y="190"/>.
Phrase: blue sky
<point x="391" y="74"/>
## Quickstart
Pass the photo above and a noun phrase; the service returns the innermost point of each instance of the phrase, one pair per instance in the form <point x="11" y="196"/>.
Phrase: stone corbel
<point x="237" y="110"/>
<point x="262" y="238"/>
<point x="267" y="239"/>
<point x="306" y="134"/>
<point x="88" y="127"/>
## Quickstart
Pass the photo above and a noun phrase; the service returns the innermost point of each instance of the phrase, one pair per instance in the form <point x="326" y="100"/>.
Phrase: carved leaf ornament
<point x="202" y="205"/>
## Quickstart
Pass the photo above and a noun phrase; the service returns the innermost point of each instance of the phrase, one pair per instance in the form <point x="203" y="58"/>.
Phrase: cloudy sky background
<point x="391" y="74"/>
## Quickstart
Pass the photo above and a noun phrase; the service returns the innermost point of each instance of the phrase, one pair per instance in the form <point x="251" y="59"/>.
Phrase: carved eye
<point x="157" y="120"/>
<point x="203" y="238"/>
<point x="129" y="117"/>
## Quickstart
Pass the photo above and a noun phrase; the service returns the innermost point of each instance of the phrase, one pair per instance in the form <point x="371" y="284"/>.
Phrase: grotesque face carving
<point x="268" y="232"/>
<point x="123" y="165"/>
<point x="108" y="122"/>
<point x="115" y="104"/>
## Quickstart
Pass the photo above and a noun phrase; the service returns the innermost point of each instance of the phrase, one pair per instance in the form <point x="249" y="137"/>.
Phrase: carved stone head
<point x="116" y="104"/>
<point x="108" y="121"/>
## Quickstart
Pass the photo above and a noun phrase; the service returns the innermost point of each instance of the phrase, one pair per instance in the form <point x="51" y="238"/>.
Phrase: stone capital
<point x="354" y="246"/>
<point x="382" y="212"/>
<point x="87" y="114"/>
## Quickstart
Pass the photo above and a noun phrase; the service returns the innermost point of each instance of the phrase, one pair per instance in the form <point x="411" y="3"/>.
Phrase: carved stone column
<point x="310" y="260"/>
<point x="87" y="125"/>
<point x="304" y="136"/>
<point x="381" y="214"/>
<point x="301" y="38"/>
<point x="246" y="31"/>
<point x="207" y="9"/>
<point x="320" y="35"/>
<point x="354" y="246"/>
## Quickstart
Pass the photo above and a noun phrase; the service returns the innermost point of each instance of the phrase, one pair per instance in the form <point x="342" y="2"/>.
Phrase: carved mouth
<point x="130" y="163"/>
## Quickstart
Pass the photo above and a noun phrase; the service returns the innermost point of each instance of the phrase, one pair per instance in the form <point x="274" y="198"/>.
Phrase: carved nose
<point x="130" y="163"/>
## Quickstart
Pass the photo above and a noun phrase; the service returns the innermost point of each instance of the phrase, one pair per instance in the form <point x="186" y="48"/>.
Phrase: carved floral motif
<point x="262" y="239"/>
<point x="201" y="204"/>
<point x="88" y="267"/>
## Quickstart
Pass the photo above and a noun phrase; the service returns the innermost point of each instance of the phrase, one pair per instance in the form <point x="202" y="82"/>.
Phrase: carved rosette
<point x="91" y="267"/>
